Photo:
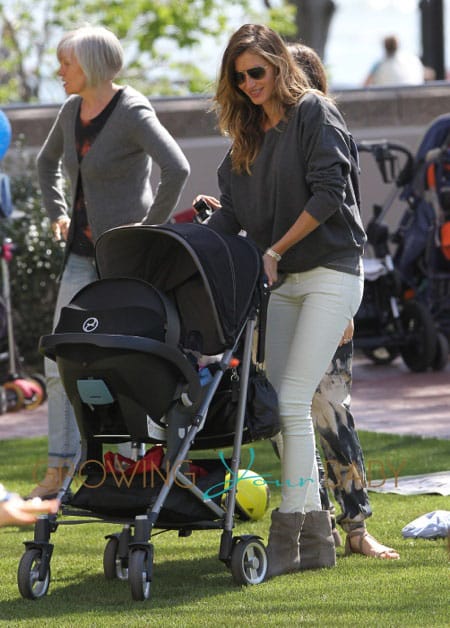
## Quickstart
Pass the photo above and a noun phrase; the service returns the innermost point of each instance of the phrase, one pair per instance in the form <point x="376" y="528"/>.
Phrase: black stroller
<point x="423" y="235"/>
<point x="127" y="349"/>
<point x="386" y="324"/>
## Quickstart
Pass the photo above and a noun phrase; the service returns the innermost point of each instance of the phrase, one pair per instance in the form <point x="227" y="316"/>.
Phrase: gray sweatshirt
<point x="304" y="164"/>
<point x="116" y="170"/>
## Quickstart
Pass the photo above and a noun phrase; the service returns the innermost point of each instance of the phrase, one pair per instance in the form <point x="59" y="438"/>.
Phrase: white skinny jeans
<point x="306" y="318"/>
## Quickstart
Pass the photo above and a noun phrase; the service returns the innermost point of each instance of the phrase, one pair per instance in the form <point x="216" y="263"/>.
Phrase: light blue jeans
<point x="306" y="318"/>
<point x="63" y="434"/>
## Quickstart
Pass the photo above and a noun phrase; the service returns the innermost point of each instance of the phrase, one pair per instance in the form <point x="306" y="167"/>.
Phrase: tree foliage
<point x="25" y="30"/>
<point x="30" y="30"/>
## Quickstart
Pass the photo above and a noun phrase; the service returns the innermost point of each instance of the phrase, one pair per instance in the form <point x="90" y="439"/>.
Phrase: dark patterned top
<point x="85" y="134"/>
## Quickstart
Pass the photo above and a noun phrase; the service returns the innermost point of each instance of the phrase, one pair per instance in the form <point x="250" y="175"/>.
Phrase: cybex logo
<point x="90" y="324"/>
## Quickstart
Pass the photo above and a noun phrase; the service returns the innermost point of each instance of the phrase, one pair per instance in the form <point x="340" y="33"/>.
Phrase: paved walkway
<point x="392" y="399"/>
<point x="385" y="399"/>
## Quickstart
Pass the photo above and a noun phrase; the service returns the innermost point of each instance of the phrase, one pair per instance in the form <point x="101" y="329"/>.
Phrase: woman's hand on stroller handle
<point x="212" y="201"/>
<point x="204" y="207"/>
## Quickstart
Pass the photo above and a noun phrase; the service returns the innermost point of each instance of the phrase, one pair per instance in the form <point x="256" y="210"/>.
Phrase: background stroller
<point x="423" y="235"/>
<point x="127" y="348"/>
<point x="386" y="324"/>
<point x="17" y="389"/>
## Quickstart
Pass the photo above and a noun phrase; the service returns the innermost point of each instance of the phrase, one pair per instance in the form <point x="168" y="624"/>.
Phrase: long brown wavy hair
<point x="238" y="117"/>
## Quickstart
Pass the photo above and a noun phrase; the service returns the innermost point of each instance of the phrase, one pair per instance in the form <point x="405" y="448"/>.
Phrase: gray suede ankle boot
<point x="317" y="547"/>
<point x="283" y="545"/>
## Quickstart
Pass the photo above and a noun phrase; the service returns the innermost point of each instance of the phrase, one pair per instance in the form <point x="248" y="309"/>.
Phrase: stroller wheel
<point x="420" y="332"/>
<point x="138" y="575"/>
<point x="30" y="585"/>
<point x="113" y="565"/>
<point x="40" y="379"/>
<point x="33" y="391"/>
<point x="441" y="354"/>
<point x="3" y="400"/>
<point x="249" y="561"/>
<point x="15" y="398"/>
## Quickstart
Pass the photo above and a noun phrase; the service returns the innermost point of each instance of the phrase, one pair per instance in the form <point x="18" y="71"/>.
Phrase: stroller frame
<point x="129" y="554"/>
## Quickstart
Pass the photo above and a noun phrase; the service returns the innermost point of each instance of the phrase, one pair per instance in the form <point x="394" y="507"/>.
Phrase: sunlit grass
<point x="192" y="588"/>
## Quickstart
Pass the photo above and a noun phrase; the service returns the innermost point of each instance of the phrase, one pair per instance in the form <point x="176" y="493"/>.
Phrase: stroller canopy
<point x="437" y="133"/>
<point x="213" y="279"/>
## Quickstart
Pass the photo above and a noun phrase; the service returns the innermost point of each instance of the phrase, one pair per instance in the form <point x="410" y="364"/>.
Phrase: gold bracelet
<point x="273" y="254"/>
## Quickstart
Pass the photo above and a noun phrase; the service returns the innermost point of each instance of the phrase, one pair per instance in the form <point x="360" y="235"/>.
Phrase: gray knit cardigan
<point x="116" y="170"/>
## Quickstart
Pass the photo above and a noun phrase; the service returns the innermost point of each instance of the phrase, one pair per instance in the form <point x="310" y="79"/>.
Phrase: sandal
<point x="372" y="548"/>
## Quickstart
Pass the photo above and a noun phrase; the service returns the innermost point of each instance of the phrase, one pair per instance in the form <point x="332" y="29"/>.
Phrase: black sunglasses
<point x="255" y="73"/>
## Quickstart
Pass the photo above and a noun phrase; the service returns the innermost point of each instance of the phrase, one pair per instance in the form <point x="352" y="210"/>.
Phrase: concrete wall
<point x="399" y="115"/>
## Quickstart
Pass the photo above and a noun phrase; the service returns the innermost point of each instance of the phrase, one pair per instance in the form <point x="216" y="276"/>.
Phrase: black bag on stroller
<point x="261" y="411"/>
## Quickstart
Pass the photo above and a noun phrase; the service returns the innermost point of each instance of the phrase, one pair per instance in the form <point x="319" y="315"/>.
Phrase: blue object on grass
<point x="5" y="134"/>
<point x="430" y="526"/>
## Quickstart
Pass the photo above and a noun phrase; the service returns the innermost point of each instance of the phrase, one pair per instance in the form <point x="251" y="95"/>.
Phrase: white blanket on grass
<point x="429" y="484"/>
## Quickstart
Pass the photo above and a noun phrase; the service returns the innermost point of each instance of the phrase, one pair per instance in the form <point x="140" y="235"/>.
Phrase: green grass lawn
<point x="192" y="588"/>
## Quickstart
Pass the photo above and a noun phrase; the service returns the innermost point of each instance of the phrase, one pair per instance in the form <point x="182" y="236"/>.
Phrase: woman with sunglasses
<point x="333" y="419"/>
<point x="286" y="182"/>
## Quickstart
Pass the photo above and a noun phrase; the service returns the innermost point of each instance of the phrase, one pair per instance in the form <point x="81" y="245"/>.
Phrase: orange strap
<point x="431" y="177"/>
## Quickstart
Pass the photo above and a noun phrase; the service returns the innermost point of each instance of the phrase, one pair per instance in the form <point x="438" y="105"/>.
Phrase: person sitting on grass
<point x="17" y="511"/>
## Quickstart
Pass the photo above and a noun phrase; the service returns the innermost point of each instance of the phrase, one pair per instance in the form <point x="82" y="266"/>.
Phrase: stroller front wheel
<point x="249" y="562"/>
<point x="138" y="574"/>
<point x="113" y="564"/>
<point x="32" y="584"/>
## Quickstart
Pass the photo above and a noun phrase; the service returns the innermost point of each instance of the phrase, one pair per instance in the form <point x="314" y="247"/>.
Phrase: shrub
<point x="36" y="264"/>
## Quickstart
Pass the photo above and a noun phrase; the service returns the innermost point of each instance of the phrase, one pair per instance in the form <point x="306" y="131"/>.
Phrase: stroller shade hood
<point x="213" y="279"/>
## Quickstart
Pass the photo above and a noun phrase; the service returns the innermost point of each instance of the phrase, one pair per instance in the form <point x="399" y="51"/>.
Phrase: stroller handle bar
<point x="386" y="155"/>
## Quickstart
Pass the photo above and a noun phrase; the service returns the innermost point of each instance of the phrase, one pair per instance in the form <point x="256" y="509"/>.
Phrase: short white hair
<point x="97" y="50"/>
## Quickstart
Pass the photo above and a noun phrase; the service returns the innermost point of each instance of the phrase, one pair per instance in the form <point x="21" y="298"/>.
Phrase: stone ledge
<point x="190" y="117"/>
<point x="402" y="106"/>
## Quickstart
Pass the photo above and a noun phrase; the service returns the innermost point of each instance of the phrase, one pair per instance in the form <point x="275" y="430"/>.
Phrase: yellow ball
<point x="252" y="495"/>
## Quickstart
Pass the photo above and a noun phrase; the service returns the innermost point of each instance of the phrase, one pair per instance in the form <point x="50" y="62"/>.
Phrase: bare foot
<point x="359" y="541"/>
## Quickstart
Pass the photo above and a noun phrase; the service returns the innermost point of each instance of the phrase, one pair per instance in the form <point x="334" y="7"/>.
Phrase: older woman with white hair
<point x="106" y="137"/>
